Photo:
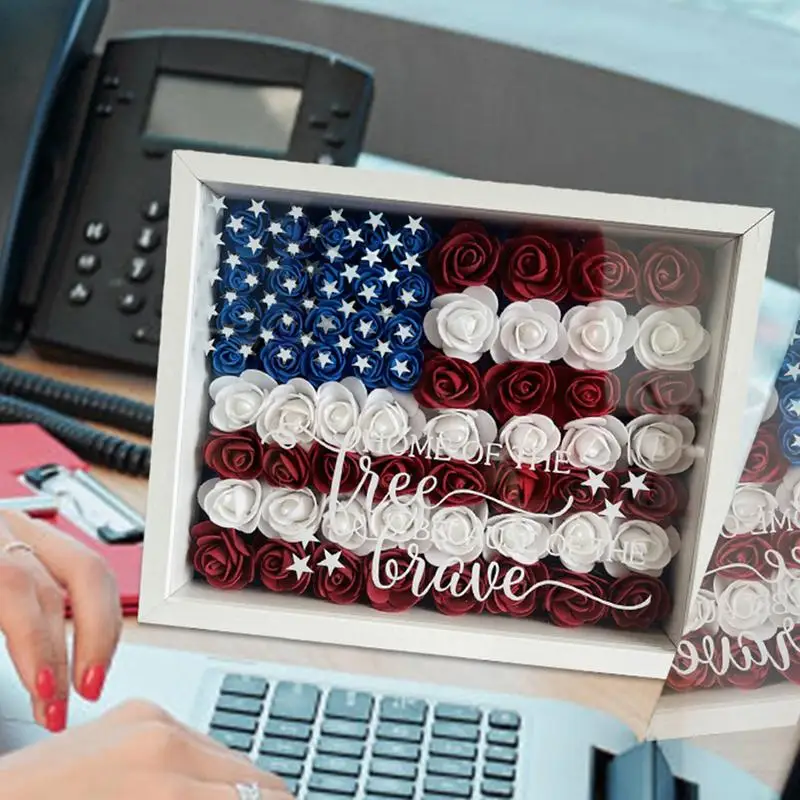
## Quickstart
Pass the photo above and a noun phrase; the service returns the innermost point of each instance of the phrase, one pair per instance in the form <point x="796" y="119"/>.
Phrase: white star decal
<point x="331" y="561"/>
<point x="247" y="316"/>
<point x="796" y="440"/>
<point x="323" y="359"/>
<point x="347" y="308"/>
<point x="382" y="348"/>
<point x="407" y="297"/>
<point x="306" y="339"/>
<point x="269" y="299"/>
<point x="300" y="566"/>
<point x="390" y="276"/>
<point x="336" y="216"/>
<point x="414" y="224"/>
<point x="218" y="240"/>
<point x="311" y="267"/>
<point x="273" y="264"/>
<point x="215" y="277"/>
<point x="230" y="297"/>
<point x="595" y="481"/>
<point x="212" y="312"/>
<point x="257" y="208"/>
<point x="404" y="332"/>
<point x="375" y="221"/>
<point x="332" y="253"/>
<point x="611" y="512"/>
<point x="253" y="244"/>
<point x="400" y="367"/>
<point x="267" y="335"/>
<point x="326" y="323"/>
<point x="344" y="343"/>
<point x="410" y="261"/>
<point x="635" y="484"/>
<point x="235" y="224"/>
<point x="284" y="354"/>
<point x="365" y="327"/>
<point x="246" y="350"/>
<point x="251" y="280"/>
<point x="386" y="313"/>
<point x="227" y="332"/>
<point x="368" y="293"/>
<point x="293" y="248"/>
<point x="792" y="371"/>
<point x="210" y="346"/>
<point x="290" y="284"/>
<point x="350" y="272"/>
<point x="794" y="407"/>
<point x="392" y="241"/>
<point x="309" y="304"/>
<point x="313" y="233"/>
<point x="275" y="228"/>
<point x="296" y="212"/>
<point x="329" y="289"/>
<point x="362" y="363"/>
<point x="306" y="538"/>
<point x="372" y="257"/>
<point x="218" y="204"/>
<point x="233" y="260"/>
<point x="354" y="236"/>
<point x="287" y="319"/>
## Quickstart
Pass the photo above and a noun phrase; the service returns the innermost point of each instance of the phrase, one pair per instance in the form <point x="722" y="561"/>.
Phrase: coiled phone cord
<point x="85" y="441"/>
<point x="78" y="401"/>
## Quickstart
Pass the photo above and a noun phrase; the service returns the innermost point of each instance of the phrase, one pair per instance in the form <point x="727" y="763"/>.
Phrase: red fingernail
<point x="92" y="683"/>
<point x="55" y="716"/>
<point x="46" y="684"/>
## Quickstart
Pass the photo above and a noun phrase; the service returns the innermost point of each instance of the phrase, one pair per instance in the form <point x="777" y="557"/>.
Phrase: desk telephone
<point x="84" y="160"/>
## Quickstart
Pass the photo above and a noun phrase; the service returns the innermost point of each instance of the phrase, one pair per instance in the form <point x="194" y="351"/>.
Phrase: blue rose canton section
<point x="788" y="386"/>
<point x="321" y="294"/>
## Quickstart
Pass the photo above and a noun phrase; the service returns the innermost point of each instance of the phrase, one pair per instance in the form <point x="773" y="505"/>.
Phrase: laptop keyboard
<point x="339" y="744"/>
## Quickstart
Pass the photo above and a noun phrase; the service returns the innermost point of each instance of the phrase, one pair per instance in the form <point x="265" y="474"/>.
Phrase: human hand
<point x="132" y="752"/>
<point x="39" y="568"/>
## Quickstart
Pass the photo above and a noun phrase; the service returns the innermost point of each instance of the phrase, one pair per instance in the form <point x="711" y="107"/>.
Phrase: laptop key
<point x="504" y="719"/>
<point x="350" y="748"/>
<point x="504" y="754"/>
<point x="505" y="738"/>
<point x="451" y="767"/>
<point x="390" y="787"/>
<point x="285" y="767"/>
<point x="283" y="747"/>
<point x="293" y="786"/>
<point x="234" y="722"/>
<point x="345" y="728"/>
<point x="402" y="750"/>
<point x="455" y="713"/>
<point x="456" y="730"/>
<point x="403" y="709"/>
<point x="296" y="702"/>
<point x="344" y="704"/>
<point x="337" y="765"/>
<point x="496" y="769"/>
<point x="287" y="730"/>
<point x="451" y="749"/>
<point x="399" y="732"/>
<point x="240" y="705"/>
<point x="452" y="787"/>
<point x="233" y="740"/>
<point x="245" y="685"/>
<point x="326" y="796"/>
<point x="390" y="768"/>
<point x="332" y="783"/>
<point x="491" y="788"/>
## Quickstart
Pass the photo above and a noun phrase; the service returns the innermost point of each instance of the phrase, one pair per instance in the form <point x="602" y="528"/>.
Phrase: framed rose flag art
<point x="439" y="415"/>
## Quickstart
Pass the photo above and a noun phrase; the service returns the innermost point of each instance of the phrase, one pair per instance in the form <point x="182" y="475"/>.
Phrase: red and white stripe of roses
<point x="345" y="416"/>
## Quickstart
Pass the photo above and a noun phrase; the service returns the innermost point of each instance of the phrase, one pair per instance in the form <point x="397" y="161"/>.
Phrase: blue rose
<point x="404" y="330"/>
<point x="365" y="328"/>
<point x="230" y="356"/>
<point x="325" y="322"/>
<point x="246" y="220"/>
<point x="789" y="403"/>
<point x="789" y="434"/>
<point x="282" y="360"/>
<point x="375" y="239"/>
<point x="243" y="280"/>
<point x="368" y="367"/>
<point x="289" y="281"/>
<point x="328" y="282"/>
<point x="371" y="288"/>
<point x="284" y="320"/>
<point x="413" y="291"/>
<point x="789" y="373"/>
<point x="403" y="370"/>
<point x="243" y="315"/>
<point x="324" y="363"/>
<point x="416" y="238"/>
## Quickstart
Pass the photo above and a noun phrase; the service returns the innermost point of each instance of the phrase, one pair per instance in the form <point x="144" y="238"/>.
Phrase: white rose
<point x="582" y="540"/>
<point x="457" y="533"/>
<point x="788" y="495"/>
<point x="671" y="338"/>
<point x="661" y="443"/>
<point x="231" y="503"/>
<point x="703" y="613"/>
<point x="530" y="331"/>
<point x="293" y="515"/>
<point x="752" y="510"/>
<point x="643" y="547"/>
<point x="339" y="407"/>
<point x="388" y="420"/>
<point x="599" y="335"/>
<point x="289" y="414"/>
<point x="786" y="597"/>
<point x="346" y="525"/>
<point x="399" y="521"/>
<point x="594" y="442"/>
<point x="460" y="433"/>
<point x="744" y="608"/>
<point x="519" y="537"/>
<point x="237" y="402"/>
<point x="530" y="439"/>
<point x="463" y="325"/>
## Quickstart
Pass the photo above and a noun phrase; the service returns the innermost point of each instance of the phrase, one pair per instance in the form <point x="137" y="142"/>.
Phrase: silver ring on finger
<point x="11" y="547"/>
<point x="248" y="791"/>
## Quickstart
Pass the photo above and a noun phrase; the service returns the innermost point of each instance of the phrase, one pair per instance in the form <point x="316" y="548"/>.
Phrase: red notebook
<point x="26" y="447"/>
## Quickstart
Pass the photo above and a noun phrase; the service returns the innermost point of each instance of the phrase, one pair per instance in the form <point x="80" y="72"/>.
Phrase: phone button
<point x="140" y="269"/>
<point x="87" y="263"/>
<point x="95" y="231"/>
<point x="146" y="335"/>
<point x="148" y="239"/>
<point x="104" y="110"/>
<point x="79" y="294"/>
<point x="340" y="111"/>
<point x="111" y="81"/>
<point x="130" y="303"/>
<point x="154" y="211"/>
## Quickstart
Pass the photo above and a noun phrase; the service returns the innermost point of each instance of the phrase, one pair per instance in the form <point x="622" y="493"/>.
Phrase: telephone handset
<point x="85" y="160"/>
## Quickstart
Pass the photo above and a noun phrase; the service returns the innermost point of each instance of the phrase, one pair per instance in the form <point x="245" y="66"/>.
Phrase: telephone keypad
<point x="79" y="294"/>
<point x="148" y="239"/>
<point x="95" y="231"/>
<point x="87" y="263"/>
<point x="130" y="303"/>
<point x="154" y="211"/>
<point x="140" y="269"/>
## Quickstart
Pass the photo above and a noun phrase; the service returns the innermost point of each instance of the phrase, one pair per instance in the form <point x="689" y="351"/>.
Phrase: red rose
<point x="533" y="266"/>
<point x="732" y="552"/>
<point x="464" y="600"/>
<point x="765" y="462"/>
<point x="234" y="455"/>
<point x="399" y="595"/>
<point x="323" y="466"/>
<point x="787" y="543"/>
<point x="569" y="609"/>
<point x="344" y="584"/>
<point x="521" y="487"/>
<point x="448" y="382"/>
<point x="516" y="388"/>
<point x="671" y="275"/>
<point x="287" y="467"/>
<point x="634" y="589"/>
<point x="500" y="603"/>
<point x="572" y="485"/>
<point x="222" y="556"/>
<point x="701" y="675"/>
<point x="467" y="256"/>
<point x="663" y="497"/>
<point x="585" y="394"/>
<point x="602" y="271"/>
<point x="387" y="467"/>
<point x="662" y="392"/>
<point x="452" y="476"/>
<point x="272" y="566"/>
<point x="755" y="676"/>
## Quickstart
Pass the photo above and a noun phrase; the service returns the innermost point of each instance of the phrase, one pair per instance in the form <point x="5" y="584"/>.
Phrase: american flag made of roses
<point x="449" y="413"/>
